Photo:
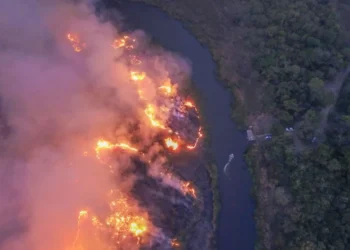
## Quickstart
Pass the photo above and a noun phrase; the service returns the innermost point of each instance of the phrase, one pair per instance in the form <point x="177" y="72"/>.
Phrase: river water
<point x="236" y="229"/>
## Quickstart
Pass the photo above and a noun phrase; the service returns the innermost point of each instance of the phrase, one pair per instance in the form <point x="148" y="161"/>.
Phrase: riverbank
<point x="211" y="167"/>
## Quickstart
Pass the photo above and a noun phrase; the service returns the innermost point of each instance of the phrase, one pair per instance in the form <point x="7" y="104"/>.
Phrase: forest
<point x="300" y="49"/>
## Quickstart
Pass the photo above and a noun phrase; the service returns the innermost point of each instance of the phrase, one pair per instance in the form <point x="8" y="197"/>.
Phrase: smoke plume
<point x="70" y="100"/>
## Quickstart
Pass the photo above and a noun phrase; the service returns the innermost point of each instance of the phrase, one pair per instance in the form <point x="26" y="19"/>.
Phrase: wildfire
<point x="137" y="76"/>
<point x="150" y="112"/>
<point x="124" y="220"/>
<point x="77" y="45"/>
<point x="188" y="189"/>
<point x="170" y="143"/>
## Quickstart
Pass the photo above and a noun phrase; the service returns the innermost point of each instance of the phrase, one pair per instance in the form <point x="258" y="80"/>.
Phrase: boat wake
<point x="230" y="158"/>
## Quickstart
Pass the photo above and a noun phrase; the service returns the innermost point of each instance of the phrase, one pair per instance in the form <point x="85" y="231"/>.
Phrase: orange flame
<point x="119" y="43"/>
<point x="137" y="76"/>
<point x="125" y="41"/>
<point x="188" y="189"/>
<point x="170" y="143"/>
<point x="150" y="112"/>
<point x="103" y="144"/>
<point x="200" y="135"/>
<point x="77" y="45"/>
<point x="123" y="222"/>
<point x="168" y="88"/>
<point x="189" y="104"/>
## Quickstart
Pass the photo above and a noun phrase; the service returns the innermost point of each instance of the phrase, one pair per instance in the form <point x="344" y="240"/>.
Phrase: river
<point x="236" y="229"/>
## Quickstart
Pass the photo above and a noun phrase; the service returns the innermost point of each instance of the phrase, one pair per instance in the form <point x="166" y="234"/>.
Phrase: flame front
<point x="200" y="135"/>
<point x="106" y="145"/>
<point x="150" y="113"/>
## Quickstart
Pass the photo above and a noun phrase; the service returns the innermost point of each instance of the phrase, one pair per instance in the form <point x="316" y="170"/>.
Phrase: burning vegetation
<point x="168" y="115"/>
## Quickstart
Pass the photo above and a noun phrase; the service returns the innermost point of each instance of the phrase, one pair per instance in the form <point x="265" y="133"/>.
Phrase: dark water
<point x="236" y="229"/>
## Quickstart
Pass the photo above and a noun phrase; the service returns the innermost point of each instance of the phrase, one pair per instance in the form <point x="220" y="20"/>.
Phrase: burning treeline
<point x="159" y="100"/>
<point x="84" y="109"/>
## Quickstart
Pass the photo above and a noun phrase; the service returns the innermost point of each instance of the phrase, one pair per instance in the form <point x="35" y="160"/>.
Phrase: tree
<point x="316" y="88"/>
<point x="281" y="196"/>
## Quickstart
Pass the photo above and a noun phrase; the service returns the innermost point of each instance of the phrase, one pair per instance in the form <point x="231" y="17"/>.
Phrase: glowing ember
<point x="170" y="143"/>
<point x="125" y="41"/>
<point x="137" y="76"/>
<point x="150" y="112"/>
<point x="118" y="43"/>
<point x="174" y="243"/>
<point x="188" y="189"/>
<point x="75" y="41"/>
<point x="189" y="104"/>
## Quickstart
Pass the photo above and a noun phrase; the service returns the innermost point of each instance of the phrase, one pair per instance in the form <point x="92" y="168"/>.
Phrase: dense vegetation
<point x="300" y="47"/>
<point x="311" y="190"/>
<point x="296" y="48"/>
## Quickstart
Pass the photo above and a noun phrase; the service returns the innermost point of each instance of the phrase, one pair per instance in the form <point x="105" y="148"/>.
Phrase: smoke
<point x="57" y="104"/>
